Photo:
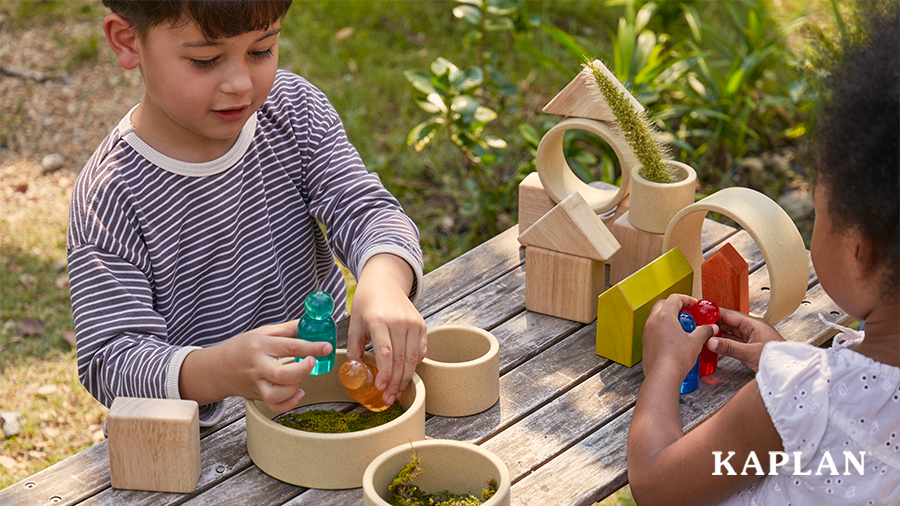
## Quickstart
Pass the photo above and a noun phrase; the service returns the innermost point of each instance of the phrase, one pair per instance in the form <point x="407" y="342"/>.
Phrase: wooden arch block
<point x="571" y="227"/>
<point x="581" y="98"/>
<point x="772" y="229"/>
<point x="623" y="309"/>
<point x="726" y="279"/>
<point x="154" y="444"/>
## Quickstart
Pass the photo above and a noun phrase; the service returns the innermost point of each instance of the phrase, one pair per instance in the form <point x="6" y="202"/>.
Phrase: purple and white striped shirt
<point x="167" y="256"/>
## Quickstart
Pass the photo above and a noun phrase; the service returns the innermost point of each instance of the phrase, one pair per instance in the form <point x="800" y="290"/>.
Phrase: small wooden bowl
<point x="447" y="465"/>
<point x="329" y="461"/>
<point x="461" y="370"/>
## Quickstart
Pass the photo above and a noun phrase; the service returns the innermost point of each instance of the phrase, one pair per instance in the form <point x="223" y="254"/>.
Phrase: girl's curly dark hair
<point x="857" y="134"/>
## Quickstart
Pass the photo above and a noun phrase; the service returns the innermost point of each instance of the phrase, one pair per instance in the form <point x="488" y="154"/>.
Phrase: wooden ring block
<point x="775" y="234"/>
<point x="329" y="461"/>
<point x="557" y="177"/>
<point x="461" y="371"/>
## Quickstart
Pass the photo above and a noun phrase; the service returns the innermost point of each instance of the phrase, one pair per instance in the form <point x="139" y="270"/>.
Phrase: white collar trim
<point x="210" y="168"/>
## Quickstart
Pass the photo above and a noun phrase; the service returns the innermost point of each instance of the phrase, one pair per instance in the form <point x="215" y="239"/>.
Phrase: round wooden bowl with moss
<point x="445" y="464"/>
<point x="329" y="461"/>
<point x="461" y="370"/>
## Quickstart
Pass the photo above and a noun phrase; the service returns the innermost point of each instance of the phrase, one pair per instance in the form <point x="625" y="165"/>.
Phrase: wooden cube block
<point x="533" y="201"/>
<point x="623" y="309"/>
<point x="726" y="279"/>
<point x="561" y="285"/>
<point x="154" y="444"/>
<point x="638" y="248"/>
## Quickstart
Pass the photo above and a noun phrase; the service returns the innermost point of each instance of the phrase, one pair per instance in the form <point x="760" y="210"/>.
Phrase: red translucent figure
<point x="359" y="380"/>
<point x="706" y="312"/>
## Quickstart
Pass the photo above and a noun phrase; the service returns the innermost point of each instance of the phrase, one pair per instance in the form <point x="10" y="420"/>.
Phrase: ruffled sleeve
<point x="793" y="381"/>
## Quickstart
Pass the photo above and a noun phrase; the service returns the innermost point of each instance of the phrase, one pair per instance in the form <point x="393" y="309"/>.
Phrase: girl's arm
<point x="668" y="467"/>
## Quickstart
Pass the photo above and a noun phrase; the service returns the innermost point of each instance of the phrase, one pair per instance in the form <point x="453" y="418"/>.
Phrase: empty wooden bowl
<point x="446" y="465"/>
<point x="329" y="461"/>
<point x="461" y="370"/>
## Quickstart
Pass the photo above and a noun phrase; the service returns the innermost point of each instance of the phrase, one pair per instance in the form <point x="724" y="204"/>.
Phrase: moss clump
<point x="337" y="422"/>
<point x="403" y="493"/>
<point x="636" y="129"/>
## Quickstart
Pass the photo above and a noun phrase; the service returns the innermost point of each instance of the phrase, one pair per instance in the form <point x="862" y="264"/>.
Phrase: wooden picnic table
<point x="560" y="425"/>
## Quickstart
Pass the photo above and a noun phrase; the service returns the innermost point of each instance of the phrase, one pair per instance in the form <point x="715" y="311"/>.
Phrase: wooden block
<point x="561" y="285"/>
<point x="154" y="444"/>
<point x="581" y="98"/>
<point x="572" y="228"/>
<point x="533" y="201"/>
<point x="623" y="309"/>
<point x="638" y="249"/>
<point x="726" y="279"/>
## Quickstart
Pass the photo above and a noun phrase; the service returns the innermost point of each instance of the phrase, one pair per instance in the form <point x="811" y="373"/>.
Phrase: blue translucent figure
<point x="692" y="381"/>
<point x="318" y="325"/>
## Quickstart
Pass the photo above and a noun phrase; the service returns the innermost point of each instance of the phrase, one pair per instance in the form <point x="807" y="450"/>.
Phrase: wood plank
<point x="249" y="487"/>
<point x="505" y="297"/>
<point x="68" y="482"/>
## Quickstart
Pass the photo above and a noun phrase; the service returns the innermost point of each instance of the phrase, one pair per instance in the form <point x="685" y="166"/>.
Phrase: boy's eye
<point x="262" y="55"/>
<point x="204" y="64"/>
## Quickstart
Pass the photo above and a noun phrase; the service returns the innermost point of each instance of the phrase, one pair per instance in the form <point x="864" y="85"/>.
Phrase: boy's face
<point x="199" y="93"/>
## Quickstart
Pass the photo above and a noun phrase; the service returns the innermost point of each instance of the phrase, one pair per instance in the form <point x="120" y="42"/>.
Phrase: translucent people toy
<point x="359" y="380"/>
<point x="692" y="381"/>
<point x="706" y="312"/>
<point x="318" y="325"/>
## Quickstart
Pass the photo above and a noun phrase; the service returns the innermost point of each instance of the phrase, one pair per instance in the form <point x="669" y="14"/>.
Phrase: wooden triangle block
<point x="571" y="227"/>
<point x="581" y="98"/>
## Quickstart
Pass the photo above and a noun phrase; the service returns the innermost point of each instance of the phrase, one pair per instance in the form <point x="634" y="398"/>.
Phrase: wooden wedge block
<point x="571" y="227"/>
<point x="581" y="99"/>
<point x="623" y="309"/>
<point x="154" y="444"/>
<point x="726" y="279"/>
<point x="638" y="249"/>
<point x="561" y="285"/>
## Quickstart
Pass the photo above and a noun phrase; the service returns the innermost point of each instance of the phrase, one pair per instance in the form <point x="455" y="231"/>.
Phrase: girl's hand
<point x="381" y="311"/>
<point x="248" y="365"/>
<point x="669" y="352"/>
<point x="743" y="337"/>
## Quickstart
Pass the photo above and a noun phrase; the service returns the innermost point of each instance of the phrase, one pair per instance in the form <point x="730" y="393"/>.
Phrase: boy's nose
<point x="238" y="80"/>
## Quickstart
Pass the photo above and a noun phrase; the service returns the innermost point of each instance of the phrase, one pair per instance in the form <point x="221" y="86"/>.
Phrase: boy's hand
<point x="669" y="352"/>
<point x="743" y="337"/>
<point x="382" y="311"/>
<point x="248" y="365"/>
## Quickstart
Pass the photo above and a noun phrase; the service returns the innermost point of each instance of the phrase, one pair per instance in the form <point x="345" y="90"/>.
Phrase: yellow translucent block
<point x="623" y="309"/>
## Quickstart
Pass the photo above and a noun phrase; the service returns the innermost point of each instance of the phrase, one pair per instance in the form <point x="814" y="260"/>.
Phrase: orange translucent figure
<point x="359" y="380"/>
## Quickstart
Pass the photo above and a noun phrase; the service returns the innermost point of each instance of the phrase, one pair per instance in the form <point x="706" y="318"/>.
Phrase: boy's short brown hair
<point x="217" y="19"/>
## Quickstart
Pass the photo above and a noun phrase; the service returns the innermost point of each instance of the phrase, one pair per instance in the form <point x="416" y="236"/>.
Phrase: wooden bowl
<point x="461" y="370"/>
<point x="447" y="465"/>
<point x="329" y="461"/>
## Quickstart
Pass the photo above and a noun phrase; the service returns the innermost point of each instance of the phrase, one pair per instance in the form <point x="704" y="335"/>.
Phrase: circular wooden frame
<point x="557" y="177"/>
<point x="329" y="461"/>
<point x="447" y="465"/>
<point x="461" y="371"/>
<point x="775" y="234"/>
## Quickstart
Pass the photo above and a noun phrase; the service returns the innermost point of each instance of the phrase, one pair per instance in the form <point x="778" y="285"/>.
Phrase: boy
<point x="193" y="234"/>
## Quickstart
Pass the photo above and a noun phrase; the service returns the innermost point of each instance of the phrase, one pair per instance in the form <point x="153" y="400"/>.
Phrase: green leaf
<point x="465" y="105"/>
<point x="692" y="17"/>
<point x="468" y="13"/>
<point x="508" y="90"/>
<point x="484" y="114"/>
<point x="420" y="80"/>
<point x="464" y="81"/>
<point x="423" y="133"/>
<point x="476" y="3"/>
<point x="441" y="66"/>
<point x="427" y="105"/>
<point x="498" y="24"/>
<point x="530" y="134"/>
<point x="566" y="41"/>
<point x="502" y="7"/>
<point x="495" y="142"/>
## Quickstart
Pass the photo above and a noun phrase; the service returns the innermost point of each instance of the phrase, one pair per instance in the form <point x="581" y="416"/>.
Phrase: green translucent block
<point x="318" y="325"/>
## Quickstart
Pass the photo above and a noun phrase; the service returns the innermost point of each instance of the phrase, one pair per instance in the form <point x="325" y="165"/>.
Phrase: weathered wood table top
<point x="561" y="423"/>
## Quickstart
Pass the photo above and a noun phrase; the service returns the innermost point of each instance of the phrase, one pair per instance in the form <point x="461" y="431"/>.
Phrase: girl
<point x="806" y="403"/>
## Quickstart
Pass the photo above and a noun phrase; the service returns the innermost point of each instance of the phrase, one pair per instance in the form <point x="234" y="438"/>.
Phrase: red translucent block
<point x="706" y="312"/>
<point x="358" y="379"/>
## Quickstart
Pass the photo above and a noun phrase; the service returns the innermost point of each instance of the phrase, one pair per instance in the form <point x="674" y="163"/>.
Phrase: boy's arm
<point x="383" y="312"/>
<point x="666" y="466"/>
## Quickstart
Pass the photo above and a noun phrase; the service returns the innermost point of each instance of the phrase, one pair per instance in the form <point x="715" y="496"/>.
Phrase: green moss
<point x="404" y="493"/>
<point x="637" y="131"/>
<point x="336" y="422"/>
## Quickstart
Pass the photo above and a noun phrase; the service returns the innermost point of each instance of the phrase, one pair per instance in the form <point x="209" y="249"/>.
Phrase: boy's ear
<point x="123" y="40"/>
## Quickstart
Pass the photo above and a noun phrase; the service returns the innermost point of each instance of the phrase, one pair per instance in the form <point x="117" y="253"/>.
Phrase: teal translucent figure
<point x="318" y="325"/>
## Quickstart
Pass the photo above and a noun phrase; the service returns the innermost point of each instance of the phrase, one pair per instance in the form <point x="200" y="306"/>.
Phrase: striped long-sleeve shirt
<point x="167" y="256"/>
